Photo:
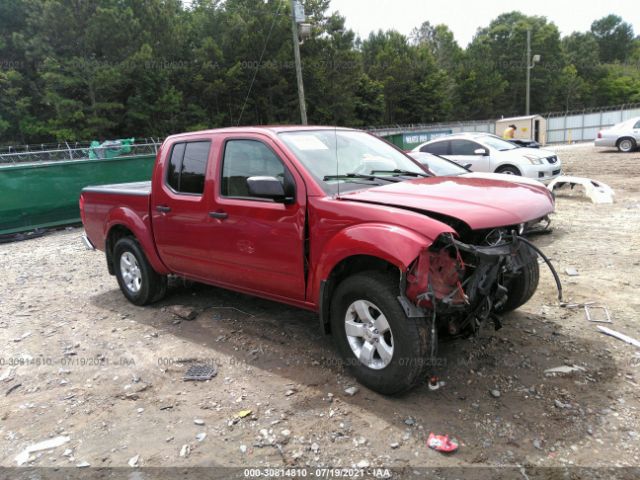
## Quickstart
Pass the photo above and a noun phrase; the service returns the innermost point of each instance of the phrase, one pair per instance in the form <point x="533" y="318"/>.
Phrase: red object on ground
<point x="442" y="443"/>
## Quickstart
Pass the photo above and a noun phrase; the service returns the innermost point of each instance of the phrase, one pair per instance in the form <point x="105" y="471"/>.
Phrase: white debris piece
<point x="23" y="457"/>
<point x="564" y="369"/>
<point x="619" y="336"/>
<point x="596" y="191"/>
<point x="185" y="450"/>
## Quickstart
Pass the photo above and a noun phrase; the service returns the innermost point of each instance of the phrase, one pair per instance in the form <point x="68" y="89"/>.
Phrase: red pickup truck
<point x="332" y="220"/>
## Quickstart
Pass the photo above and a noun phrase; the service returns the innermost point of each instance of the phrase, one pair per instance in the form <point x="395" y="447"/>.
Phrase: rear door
<point x="180" y="201"/>
<point x="259" y="244"/>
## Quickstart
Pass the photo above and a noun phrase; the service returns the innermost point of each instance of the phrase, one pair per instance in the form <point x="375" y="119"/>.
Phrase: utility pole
<point x="296" y="54"/>
<point x="530" y="64"/>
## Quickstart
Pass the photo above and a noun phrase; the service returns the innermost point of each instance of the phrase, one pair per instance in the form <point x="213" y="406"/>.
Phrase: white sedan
<point x="483" y="152"/>
<point x="625" y="136"/>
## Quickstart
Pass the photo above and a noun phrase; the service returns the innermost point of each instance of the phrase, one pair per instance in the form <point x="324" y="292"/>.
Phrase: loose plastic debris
<point x="442" y="443"/>
<point x="596" y="191"/>
<point x="23" y="457"/>
<point x="619" y="336"/>
<point x="564" y="369"/>
<point x="589" y="310"/>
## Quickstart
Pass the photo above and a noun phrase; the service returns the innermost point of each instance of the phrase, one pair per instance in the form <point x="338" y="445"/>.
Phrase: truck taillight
<point x="81" y="202"/>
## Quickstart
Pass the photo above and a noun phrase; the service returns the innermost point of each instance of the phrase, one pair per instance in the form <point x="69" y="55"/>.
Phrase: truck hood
<point x="479" y="202"/>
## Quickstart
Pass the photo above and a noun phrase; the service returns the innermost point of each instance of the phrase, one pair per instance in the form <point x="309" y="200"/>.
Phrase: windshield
<point x="497" y="143"/>
<point x="441" y="167"/>
<point x="328" y="154"/>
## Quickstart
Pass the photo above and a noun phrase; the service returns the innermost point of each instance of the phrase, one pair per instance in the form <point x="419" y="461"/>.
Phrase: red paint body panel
<point x="284" y="251"/>
<point x="479" y="202"/>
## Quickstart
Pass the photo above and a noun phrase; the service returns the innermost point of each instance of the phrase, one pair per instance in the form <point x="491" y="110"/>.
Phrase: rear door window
<point x="188" y="166"/>
<point x="437" y="148"/>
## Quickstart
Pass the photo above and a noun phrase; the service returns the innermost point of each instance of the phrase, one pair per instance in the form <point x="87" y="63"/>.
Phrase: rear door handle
<point x="163" y="208"/>
<point x="219" y="215"/>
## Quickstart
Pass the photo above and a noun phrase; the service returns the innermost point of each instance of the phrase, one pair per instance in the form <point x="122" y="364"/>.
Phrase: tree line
<point x="95" y="69"/>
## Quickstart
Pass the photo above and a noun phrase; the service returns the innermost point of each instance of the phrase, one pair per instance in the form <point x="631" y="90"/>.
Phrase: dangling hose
<point x="546" y="260"/>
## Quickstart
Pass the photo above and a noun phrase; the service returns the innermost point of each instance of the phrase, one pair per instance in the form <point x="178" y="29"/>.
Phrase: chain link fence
<point x="562" y="127"/>
<point x="53" y="153"/>
<point x="582" y="126"/>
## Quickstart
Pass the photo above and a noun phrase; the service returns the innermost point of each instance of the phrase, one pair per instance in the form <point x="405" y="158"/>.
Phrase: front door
<point x="463" y="152"/>
<point x="260" y="243"/>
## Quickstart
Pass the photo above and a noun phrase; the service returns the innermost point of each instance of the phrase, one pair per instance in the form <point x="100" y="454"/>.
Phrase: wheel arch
<point x="361" y="248"/>
<point x="626" y="137"/>
<point x="506" y="165"/>
<point x="123" y="221"/>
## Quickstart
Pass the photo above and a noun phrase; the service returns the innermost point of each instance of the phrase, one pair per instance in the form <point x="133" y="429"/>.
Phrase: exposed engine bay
<point x="462" y="285"/>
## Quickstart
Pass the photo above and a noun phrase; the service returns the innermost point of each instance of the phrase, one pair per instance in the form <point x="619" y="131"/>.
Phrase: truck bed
<point x="103" y="205"/>
<point x="132" y="188"/>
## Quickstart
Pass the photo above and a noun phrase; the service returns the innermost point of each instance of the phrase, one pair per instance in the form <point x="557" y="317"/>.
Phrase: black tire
<point x="509" y="170"/>
<point x="411" y="336"/>
<point x="522" y="287"/>
<point x="626" y="144"/>
<point x="153" y="286"/>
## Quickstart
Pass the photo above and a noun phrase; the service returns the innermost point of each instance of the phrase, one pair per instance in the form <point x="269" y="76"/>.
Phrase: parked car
<point x="332" y="220"/>
<point x="521" y="142"/>
<point x="441" y="167"/>
<point x="484" y="152"/>
<point x="625" y="136"/>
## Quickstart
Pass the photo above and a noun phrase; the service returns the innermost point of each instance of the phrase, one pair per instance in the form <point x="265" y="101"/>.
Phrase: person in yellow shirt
<point x="509" y="132"/>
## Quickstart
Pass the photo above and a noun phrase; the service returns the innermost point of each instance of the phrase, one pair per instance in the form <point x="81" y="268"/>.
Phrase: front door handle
<point x="163" y="208"/>
<point x="219" y="215"/>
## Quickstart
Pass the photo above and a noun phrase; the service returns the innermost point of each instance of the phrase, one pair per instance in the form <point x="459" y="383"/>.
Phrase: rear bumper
<point x="605" y="142"/>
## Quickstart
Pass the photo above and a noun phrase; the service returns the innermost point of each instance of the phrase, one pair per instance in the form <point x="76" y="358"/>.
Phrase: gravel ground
<point x="80" y="362"/>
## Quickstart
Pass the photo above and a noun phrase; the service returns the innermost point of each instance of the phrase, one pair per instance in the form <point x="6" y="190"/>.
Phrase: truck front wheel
<point x="382" y="347"/>
<point x="137" y="279"/>
<point x="522" y="287"/>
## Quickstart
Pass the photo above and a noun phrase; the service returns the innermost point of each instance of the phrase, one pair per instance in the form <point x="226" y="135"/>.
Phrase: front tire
<point x="136" y="277"/>
<point x="509" y="170"/>
<point x="382" y="348"/>
<point x="626" y="145"/>
<point x="522" y="287"/>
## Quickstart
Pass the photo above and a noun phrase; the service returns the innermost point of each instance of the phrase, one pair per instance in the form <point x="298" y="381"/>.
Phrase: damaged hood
<point x="479" y="202"/>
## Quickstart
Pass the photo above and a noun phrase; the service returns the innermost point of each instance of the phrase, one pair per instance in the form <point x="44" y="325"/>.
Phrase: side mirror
<point x="267" y="187"/>
<point x="481" y="151"/>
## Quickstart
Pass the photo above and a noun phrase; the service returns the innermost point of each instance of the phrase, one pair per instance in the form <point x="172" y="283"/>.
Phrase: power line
<point x="255" y="73"/>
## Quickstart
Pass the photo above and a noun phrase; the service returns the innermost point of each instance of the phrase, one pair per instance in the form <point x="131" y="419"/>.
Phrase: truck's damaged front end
<point x="462" y="285"/>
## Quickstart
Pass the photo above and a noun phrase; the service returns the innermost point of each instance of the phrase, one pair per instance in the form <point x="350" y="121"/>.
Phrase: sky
<point x="464" y="17"/>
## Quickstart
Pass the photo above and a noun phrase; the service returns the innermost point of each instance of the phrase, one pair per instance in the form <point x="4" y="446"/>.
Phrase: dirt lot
<point x="79" y="361"/>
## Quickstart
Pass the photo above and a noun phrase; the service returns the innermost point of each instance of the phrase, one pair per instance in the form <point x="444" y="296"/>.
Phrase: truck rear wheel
<point x="382" y="347"/>
<point x="137" y="279"/>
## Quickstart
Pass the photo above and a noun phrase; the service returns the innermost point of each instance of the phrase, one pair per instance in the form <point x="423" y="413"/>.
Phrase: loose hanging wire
<point x="264" y="49"/>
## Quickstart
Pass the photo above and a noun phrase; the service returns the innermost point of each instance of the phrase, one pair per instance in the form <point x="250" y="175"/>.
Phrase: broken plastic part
<point x="596" y="191"/>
